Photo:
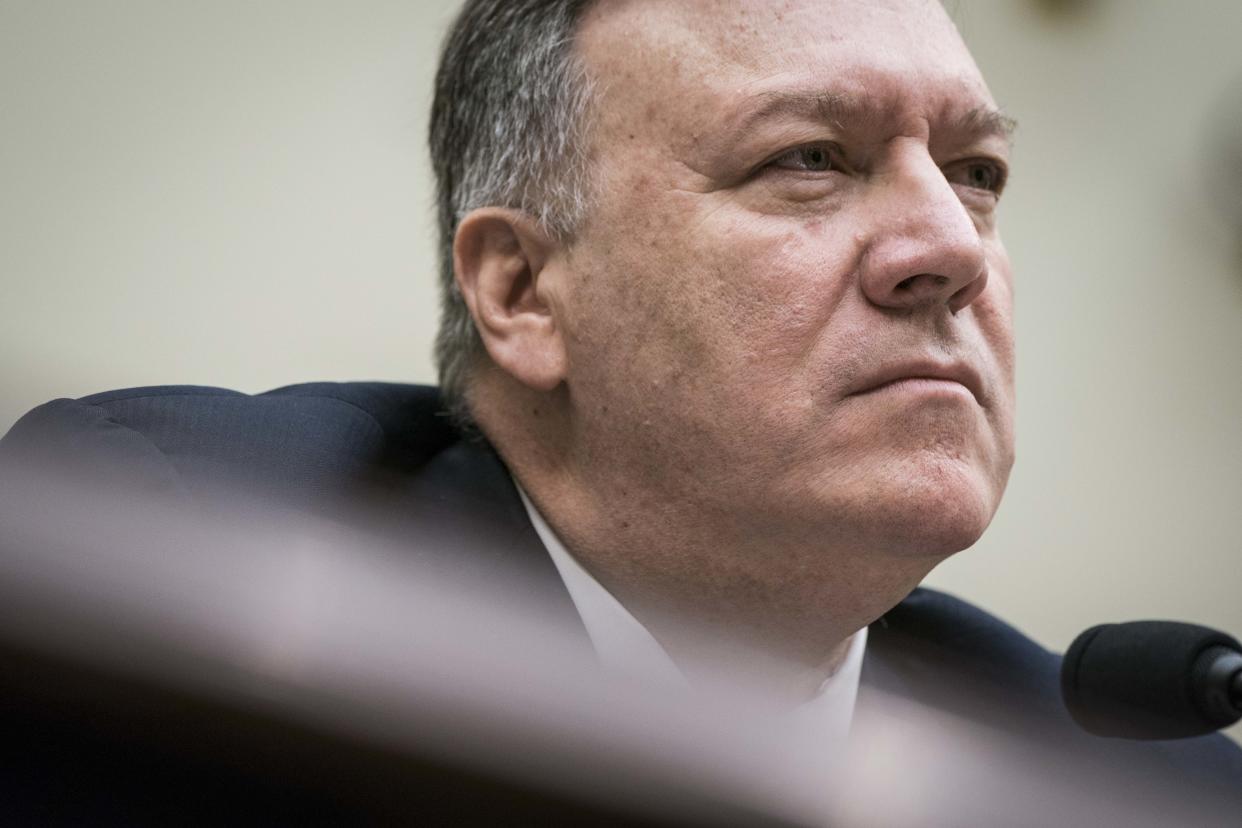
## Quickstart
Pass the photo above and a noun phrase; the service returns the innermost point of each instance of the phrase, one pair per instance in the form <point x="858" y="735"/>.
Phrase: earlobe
<point x="500" y="259"/>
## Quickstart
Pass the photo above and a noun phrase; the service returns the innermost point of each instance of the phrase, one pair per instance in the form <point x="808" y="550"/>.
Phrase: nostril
<point x="935" y="281"/>
<point x="969" y="293"/>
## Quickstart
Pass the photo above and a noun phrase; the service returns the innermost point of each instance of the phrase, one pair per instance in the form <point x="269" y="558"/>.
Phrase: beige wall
<point x="1126" y="497"/>
<point x="236" y="194"/>
<point x="229" y="193"/>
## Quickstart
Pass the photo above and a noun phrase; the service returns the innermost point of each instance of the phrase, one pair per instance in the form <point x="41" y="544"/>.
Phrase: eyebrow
<point x="836" y="109"/>
<point x="984" y="120"/>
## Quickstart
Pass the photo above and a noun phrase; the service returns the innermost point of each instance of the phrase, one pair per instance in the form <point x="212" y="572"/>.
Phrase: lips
<point x="959" y="372"/>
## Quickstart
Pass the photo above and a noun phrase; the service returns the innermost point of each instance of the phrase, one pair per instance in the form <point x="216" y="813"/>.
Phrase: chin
<point x="927" y="507"/>
<point x="940" y="508"/>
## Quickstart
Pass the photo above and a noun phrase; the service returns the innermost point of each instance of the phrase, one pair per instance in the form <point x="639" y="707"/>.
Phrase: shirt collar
<point x="623" y="645"/>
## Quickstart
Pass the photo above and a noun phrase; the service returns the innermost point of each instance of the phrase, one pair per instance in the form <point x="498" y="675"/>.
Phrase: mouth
<point x="924" y="377"/>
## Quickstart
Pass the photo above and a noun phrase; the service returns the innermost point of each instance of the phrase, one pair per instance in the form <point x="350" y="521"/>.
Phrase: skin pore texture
<point x="768" y="385"/>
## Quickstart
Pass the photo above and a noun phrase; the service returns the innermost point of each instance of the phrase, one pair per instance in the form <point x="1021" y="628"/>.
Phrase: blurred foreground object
<point x="233" y="666"/>
<point x="322" y="603"/>
<point x="271" y="667"/>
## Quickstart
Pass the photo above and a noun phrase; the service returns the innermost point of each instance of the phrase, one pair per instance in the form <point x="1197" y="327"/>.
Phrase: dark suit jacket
<point x="319" y="447"/>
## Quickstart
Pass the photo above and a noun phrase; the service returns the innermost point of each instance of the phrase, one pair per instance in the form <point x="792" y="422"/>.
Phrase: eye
<point x="988" y="176"/>
<point x="814" y="158"/>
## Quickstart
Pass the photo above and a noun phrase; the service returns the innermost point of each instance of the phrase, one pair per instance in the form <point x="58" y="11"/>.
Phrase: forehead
<point x="725" y="60"/>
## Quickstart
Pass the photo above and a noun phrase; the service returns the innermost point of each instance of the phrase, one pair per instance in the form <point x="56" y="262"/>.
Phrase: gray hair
<point x="507" y="129"/>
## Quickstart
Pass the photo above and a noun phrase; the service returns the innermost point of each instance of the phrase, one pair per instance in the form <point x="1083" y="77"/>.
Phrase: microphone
<point x="1153" y="680"/>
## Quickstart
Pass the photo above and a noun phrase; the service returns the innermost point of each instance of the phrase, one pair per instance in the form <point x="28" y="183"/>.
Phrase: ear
<point x="499" y="258"/>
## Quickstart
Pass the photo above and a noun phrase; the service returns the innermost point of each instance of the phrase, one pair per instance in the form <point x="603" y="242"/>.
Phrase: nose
<point x="923" y="249"/>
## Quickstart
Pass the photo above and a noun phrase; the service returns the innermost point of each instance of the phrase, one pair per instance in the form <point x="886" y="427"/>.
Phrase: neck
<point x="770" y="611"/>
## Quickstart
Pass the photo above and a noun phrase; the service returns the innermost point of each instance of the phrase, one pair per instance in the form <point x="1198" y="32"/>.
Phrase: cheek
<point x="993" y="312"/>
<point x="993" y="315"/>
<point x="774" y="286"/>
<point x="711" y="302"/>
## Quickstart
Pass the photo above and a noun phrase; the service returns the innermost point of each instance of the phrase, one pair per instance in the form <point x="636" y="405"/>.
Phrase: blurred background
<point x="237" y="194"/>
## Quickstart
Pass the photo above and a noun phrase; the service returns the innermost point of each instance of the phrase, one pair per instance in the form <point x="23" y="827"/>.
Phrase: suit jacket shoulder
<point x="380" y="457"/>
<point x="306" y="440"/>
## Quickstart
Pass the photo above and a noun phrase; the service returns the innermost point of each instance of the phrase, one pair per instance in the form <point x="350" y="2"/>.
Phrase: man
<point x="763" y="378"/>
<point x="725" y="292"/>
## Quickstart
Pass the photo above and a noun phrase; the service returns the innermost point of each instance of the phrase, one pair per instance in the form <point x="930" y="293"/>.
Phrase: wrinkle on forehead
<point x="843" y="110"/>
<point x="687" y="63"/>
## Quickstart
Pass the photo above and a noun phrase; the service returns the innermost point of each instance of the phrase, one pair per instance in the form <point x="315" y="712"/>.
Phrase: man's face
<point x="790" y="306"/>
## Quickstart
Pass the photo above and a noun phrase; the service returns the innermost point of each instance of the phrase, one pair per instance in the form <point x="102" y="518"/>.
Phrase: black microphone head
<point x="1151" y="680"/>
